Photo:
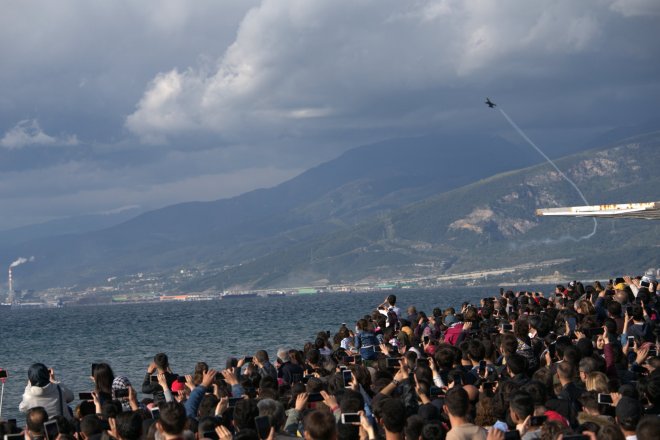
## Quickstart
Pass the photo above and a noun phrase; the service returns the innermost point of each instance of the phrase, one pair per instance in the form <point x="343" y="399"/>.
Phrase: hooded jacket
<point x="47" y="397"/>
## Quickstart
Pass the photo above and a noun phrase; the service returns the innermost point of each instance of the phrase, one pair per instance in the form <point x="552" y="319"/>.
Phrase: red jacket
<point x="452" y="334"/>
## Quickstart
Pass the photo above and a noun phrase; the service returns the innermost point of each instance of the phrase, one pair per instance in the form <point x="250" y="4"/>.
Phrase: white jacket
<point x="48" y="397"/>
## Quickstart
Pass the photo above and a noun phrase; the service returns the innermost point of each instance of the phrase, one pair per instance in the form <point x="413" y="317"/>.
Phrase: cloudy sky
<point x="109" y="104"/>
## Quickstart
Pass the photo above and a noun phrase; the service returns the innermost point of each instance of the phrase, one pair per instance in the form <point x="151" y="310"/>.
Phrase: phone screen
<point x="85" y="396"/>
<point x="393" y="363"/>
<point x="348" y="376"/>
<point x="605" y="399"/>
<point x="349" y="418"/>
<point x="120" y="393"/>
<point x="51" y="429"/>
<point x="435" y="391"/>
<point x="262" y="424"/>
<point x="315" y="397"/>
<point x="3" y="374"/>
<point x="155" y="413"/>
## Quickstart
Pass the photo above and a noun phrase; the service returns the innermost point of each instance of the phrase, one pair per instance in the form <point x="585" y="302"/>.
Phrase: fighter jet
<point x="489" y="103"/>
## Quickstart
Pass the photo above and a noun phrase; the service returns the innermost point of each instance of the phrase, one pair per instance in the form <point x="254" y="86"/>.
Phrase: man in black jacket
<point x="150" y="385"/>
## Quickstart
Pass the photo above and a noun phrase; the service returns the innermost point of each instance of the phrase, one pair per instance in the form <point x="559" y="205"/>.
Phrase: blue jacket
<point x="366" y="342"/>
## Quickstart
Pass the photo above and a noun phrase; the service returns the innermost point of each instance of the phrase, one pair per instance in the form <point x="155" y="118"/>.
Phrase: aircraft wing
<point x="648" y="211"/>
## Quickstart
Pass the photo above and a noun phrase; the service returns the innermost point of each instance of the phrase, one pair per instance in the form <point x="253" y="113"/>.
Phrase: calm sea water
<point x="127" y="336"/>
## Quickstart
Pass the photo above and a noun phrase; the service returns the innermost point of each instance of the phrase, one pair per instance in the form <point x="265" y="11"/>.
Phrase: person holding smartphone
<point x="150" y="385"/>
<point x="44" y="391"/>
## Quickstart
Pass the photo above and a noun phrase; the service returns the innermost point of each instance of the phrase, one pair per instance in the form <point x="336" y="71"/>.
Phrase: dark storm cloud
<point x="109" y="104"/>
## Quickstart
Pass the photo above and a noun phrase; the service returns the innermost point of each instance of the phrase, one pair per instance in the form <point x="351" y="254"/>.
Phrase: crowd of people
<point x="579" y="363"/>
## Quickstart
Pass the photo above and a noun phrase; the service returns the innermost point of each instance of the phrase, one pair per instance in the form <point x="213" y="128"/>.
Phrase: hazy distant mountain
<point x="71" y="225"/>
<point x="361" y="183"/>
<point x="487" y="224"/>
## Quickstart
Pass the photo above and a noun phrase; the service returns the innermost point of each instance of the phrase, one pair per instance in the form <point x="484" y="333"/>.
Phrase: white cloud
<point x="28" y="132"/>
<point x="324" y="60"/>
<point x="633" y="8"/>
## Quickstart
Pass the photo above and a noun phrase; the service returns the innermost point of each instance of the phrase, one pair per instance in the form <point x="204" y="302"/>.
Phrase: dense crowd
<point x="579" y="363"/>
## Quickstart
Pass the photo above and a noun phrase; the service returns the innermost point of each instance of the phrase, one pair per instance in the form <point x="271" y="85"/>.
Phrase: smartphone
<point x="315" y="397"/>
<point x="512" y="435"/>
<point x="262" y="424"/>
<point x="210" y="434"/>
<point x="426" y="339"/>
<point x="3" y="374"/>
<point x="631" y="341"/>
<point x="51" y="429"/>
<point x="435" y="392"/>
<point x="392" y="362"/>
<point x="248" y="359"/>
<point x="181" y="379"/>
<point x="155" y="413"/>
<point x="85" y="396"/>
<point x="94" y="368"/>
<point x="537" y="420"/>
<point x="350" y="418"/>
<point x="605" y="399"/>
<point x="153" y="378"/>
<point x="482" y="368"/>
<point x="506" y="327"/>
<point x="653" y="352"/>
<point x="629" y="310"/>
<point x="234" y="400"/>
<point x="348" y="377"/>
<point x="305" y="379"/>
<point x="121" y="393"/>
<point x="14" y="436"/>
<point x="349" y="359"/>
<point x="489" y="387"/>
<point x="551" y="350"/>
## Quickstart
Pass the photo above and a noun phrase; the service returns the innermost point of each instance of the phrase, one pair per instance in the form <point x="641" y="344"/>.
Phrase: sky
<point x="106" y="105"/>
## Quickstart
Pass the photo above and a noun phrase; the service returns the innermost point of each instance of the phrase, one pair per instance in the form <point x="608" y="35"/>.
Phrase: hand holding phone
<point x="350" y="418"/>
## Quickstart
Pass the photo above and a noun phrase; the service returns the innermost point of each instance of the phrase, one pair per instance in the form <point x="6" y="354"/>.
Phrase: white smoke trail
<point x="20" y="261"/>
<point x="529" y="141"/>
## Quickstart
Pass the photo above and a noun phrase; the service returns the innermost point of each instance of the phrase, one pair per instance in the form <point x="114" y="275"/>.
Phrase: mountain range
<point x="386" y="209"/>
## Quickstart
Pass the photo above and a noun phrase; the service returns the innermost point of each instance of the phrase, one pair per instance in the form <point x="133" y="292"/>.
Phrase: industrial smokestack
<point x="10" y="297"/>
<point x="18" y="262"/>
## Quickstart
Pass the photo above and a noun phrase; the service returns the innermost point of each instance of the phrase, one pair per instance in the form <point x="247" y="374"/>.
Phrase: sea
<point x="127" y="336"/>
